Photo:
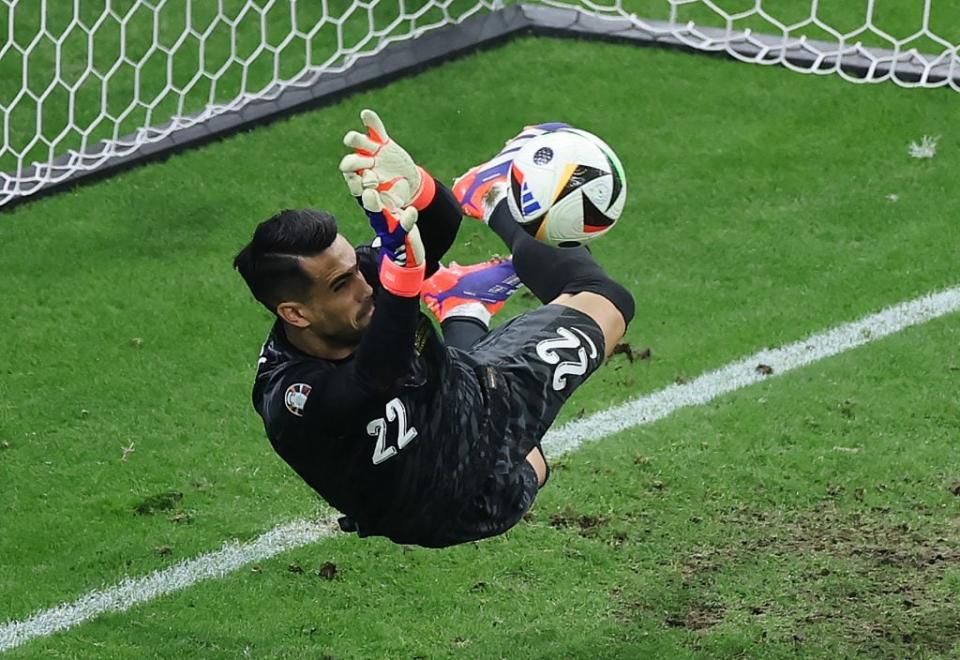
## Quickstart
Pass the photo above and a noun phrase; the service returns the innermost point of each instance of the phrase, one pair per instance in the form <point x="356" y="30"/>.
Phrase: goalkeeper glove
<point x="402" y="259"/>
<point x="387" y="174"/>
<point x="397" y="235"/>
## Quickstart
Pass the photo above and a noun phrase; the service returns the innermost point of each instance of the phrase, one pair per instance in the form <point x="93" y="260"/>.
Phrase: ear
<point x="292" y="313"/>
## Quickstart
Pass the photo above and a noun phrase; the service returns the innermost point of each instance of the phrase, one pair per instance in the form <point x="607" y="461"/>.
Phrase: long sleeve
<point x="438" y="225"/>
<point x="385" y="354"/>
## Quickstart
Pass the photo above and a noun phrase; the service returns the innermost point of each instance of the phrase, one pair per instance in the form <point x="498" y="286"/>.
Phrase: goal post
<point x="92" y="85"/>
<point x="913" y="43"/>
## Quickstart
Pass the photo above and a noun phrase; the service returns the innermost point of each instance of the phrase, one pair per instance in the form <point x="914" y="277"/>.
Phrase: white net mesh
<point x="911" y="42"/>
<point x="86" y="82"/>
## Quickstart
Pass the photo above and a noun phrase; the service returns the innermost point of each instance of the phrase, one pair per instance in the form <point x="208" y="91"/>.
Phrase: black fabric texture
<point x="438" y="224"/>
<point x="543" y="355"/>
<point x="615" y="292"/>
<point x="385" y="352"/>
<point x="462" y="331"/>
<point x="544" y="269"/>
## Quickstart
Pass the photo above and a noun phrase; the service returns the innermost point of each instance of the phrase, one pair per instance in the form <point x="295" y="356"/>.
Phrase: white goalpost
<point x="93" y="85"/>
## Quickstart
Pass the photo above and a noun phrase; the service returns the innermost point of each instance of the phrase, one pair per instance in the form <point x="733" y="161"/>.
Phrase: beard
<point x="364" y="317"/>
<point x="349" y="336"/>
<point x="343" y="338"/>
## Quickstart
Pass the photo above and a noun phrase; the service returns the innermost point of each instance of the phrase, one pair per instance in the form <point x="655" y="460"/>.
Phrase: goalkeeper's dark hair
<point x="270" y="262"/>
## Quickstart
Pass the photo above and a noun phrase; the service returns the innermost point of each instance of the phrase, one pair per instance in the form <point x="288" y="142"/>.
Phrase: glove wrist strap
<point x="426" y="192"/>
<point x="403" y="281"/>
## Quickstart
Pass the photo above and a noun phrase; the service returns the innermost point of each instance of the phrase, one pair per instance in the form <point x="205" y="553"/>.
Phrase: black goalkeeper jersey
<point x="398" y="463"/>
<point x="396" y="435"/>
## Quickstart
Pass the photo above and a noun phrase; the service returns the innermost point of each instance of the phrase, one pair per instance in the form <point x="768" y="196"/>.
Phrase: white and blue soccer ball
<point x="567" y="187"/>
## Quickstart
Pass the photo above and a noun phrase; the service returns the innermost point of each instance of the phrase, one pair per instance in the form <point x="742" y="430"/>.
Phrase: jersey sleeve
<point x="381" y="364"/>
<point x="385" y="355"/>
<point x="439" y="223"/>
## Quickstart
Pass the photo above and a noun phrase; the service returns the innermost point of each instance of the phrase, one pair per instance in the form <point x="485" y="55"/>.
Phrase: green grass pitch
<point x="812" y="515"/>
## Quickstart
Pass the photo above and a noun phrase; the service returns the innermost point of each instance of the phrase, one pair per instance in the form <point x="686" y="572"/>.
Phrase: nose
<point x="366" y="290"/>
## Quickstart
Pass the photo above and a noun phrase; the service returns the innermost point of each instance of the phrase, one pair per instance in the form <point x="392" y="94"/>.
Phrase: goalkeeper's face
<point x="339" y="305"/>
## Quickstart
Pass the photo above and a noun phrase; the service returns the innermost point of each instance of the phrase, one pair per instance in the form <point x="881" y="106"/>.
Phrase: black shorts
<point x="543" y="356"/>
<point x="504" y="496"/>
<point x="529" y="366"/>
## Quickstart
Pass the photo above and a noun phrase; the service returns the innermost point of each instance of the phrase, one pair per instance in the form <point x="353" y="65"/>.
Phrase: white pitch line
<point x="643" y="410"/>
<point x="132" y="592"/>
<point x="742" y="373"/>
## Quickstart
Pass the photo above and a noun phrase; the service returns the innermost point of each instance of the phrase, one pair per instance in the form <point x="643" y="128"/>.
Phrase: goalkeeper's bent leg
<point x="549" y="272"/>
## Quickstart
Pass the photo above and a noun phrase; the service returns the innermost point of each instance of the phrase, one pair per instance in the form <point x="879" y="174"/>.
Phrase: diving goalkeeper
<point x="422" y="438"/>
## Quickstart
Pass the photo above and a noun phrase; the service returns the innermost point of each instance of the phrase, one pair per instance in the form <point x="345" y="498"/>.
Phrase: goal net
<point x="911" y="42"/>
<point x="90" y="84"/>
<point x="84" y="83"/>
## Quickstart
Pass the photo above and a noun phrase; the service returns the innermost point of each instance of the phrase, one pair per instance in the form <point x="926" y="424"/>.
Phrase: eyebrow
<point x="339" y="278"/>
<point x="342" y="276"/>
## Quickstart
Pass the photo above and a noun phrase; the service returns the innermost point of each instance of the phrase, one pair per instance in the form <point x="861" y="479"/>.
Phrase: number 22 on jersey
<point x="378" y="429"/>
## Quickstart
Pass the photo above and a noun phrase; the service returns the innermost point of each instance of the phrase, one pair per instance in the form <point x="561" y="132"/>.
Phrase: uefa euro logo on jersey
<point x="296" y="398"/>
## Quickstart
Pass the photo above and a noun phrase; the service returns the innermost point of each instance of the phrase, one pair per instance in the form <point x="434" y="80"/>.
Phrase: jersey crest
<point x="296" y="398"/>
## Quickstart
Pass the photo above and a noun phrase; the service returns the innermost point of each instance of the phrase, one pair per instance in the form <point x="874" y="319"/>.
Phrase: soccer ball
<point x="566" y="187"/>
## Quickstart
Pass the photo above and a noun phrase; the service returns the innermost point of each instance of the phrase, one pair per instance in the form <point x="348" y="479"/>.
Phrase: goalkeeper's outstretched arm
<point x="385" y="352"/>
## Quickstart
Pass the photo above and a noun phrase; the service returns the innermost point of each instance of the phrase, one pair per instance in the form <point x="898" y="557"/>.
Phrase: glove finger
<point x="369" y="179"/>
<point x="371" y="200"/>
<point x="356" y="162"/>
<point x="353" y="183"/>
<point x="361" y="142"/>
<point x="415" y="244"/>
<point x="374" y="126"/>
<point x="388" y="200"/>
<point x="395" y="196"/>
<point x="407" y="217"/>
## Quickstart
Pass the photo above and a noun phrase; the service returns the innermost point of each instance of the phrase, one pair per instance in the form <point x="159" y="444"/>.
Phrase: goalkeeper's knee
<point x="594" y="280"/>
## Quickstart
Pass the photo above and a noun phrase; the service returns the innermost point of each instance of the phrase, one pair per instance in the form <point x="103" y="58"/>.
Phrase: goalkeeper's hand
<point x="387" y="175"/>
<point x="402" y="260"/>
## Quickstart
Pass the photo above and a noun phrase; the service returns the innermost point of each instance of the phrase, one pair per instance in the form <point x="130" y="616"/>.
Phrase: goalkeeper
<point x="422" y="439"/>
